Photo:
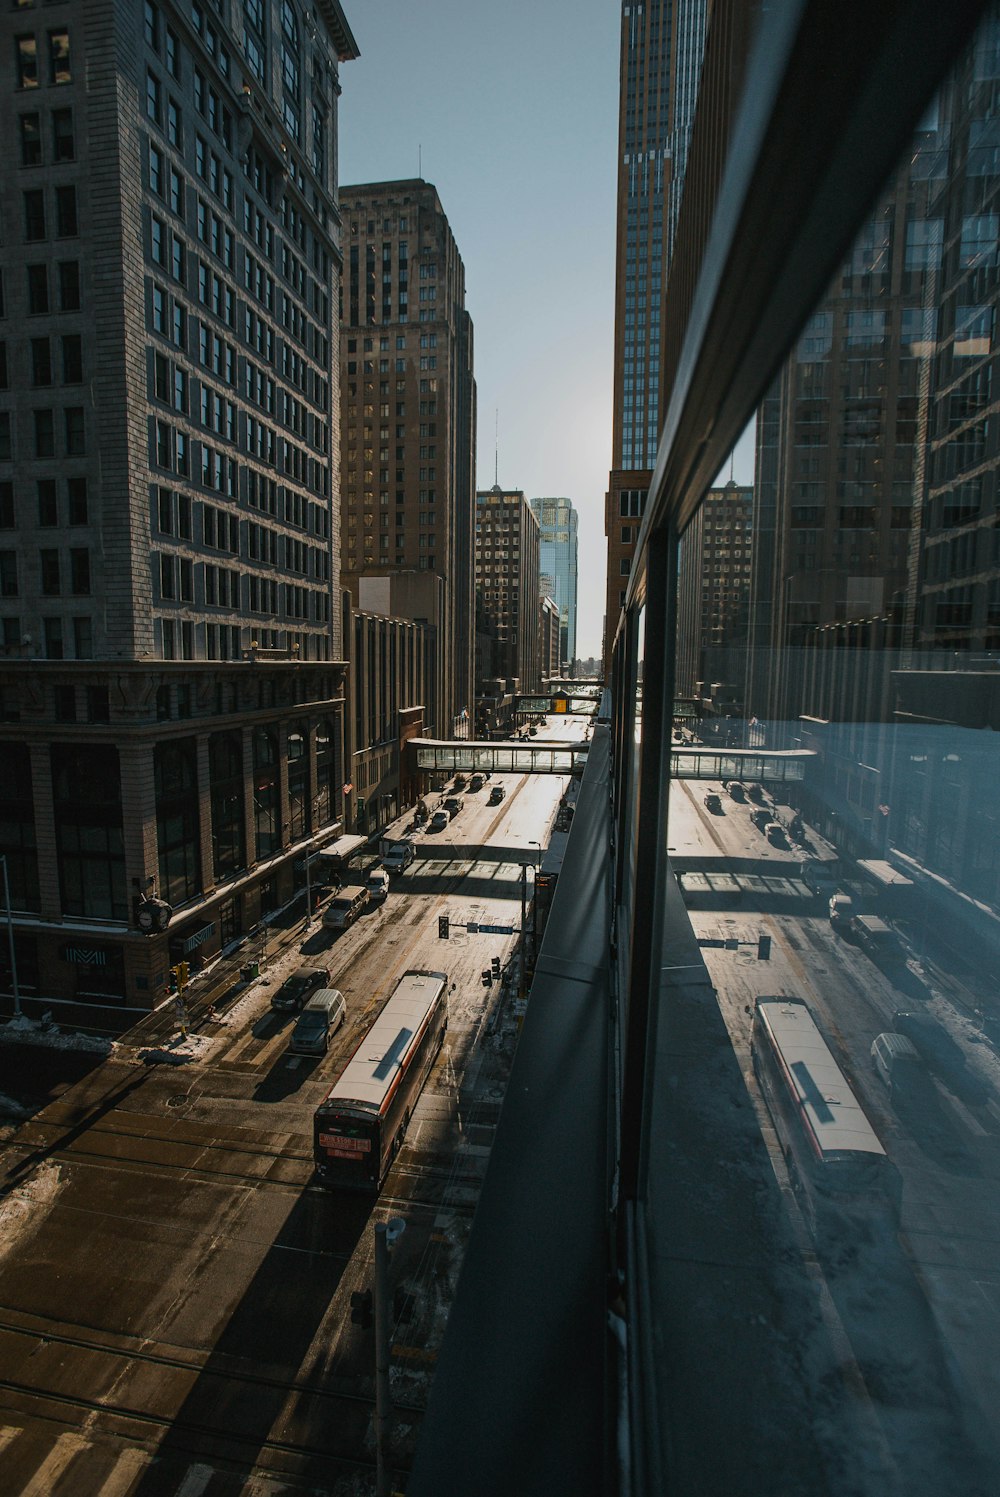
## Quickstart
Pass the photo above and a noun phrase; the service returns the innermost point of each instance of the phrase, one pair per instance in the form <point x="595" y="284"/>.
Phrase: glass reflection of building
<point x="558" y="524"/>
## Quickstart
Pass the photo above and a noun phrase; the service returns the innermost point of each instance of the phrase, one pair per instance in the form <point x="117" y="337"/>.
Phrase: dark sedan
<point x="295" y="990"/>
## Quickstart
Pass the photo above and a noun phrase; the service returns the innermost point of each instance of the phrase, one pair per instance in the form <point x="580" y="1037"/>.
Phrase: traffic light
<point x="487" y="977"/>
<point x="442" y="927"/>
<point x="182" y="974"/>
<point x="496" y="968"/>
<point x="361" y="1307"/>
<point x="172" y="981"/>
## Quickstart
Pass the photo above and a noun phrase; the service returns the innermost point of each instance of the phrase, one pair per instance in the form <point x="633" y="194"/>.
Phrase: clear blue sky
<point x="514" y="110"/>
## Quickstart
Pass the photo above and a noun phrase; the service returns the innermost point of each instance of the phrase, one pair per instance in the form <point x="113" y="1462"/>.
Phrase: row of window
<point x="27" y="58"/>
<point x="50" y="512"/>
<point x="53" y="571"/>
<point x="69" y="422"/>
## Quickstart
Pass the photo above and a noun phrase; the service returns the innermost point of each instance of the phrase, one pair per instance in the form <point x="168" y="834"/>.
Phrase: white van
<point x="896" y="1061"/>
<point x="345" y="907"/>
<point x="321" y="1017"/>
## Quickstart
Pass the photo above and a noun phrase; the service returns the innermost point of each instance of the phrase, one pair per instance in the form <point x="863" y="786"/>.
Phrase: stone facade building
<point x="408" y="424"/>
<point x="172" y="682"/>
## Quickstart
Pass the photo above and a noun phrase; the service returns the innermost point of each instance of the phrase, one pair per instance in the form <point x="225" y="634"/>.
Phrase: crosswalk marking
<point x="195" y="1482"/>
<point x="54" y="1464"/>
<point x="128" y="1466"/>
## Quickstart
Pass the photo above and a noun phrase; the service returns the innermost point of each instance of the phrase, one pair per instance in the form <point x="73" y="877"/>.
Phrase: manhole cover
<point x="177" y="1101"/>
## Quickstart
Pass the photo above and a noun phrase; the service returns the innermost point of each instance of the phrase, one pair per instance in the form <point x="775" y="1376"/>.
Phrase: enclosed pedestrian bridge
<point x="538" y="756"/>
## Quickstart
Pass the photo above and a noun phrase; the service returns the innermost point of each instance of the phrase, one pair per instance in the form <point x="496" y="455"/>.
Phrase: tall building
<point x="661" y="51"/>
<point x="558" y="524"/>
<point x="408" y="425"/>
<point x="507" y="584"/>
<point x="172" y="678"/>
<point x="716" y="560"/>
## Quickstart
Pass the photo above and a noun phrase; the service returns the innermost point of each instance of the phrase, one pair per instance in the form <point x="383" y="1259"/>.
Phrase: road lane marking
<point x="128" y="1466"/>
<point x="54" y="1464"/>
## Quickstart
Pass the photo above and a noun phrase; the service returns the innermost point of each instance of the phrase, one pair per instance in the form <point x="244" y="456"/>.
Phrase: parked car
<point x="497" y="794"/>
<point x="453" y="804"/>
<point x="736" y="790"/>
<point x="714" y="803"/>
<point x="345" y="907"/>
<point x="439" y="821"/>
<point x="775" y="834"/>
<point x="818" y="877"/>
<point x="399" y="856"/>
<point x="294" y="991"/>
<point x="841" y="910"/>
<point x="321" y="1017"/>
<point x="377" y="884"/>
<point x="760" y="818"/>
<point x="896" y="1062"/>
<point x="476" y="783"/>
<point x="877" y="939"/>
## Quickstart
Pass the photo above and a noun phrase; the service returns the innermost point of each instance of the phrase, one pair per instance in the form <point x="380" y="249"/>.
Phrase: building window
<point x="48" y="509"/>
<point x="63" y="141"/>
<point x="69" y="286"/>
<point x="177" y="820"/>
<point x="66" y="221"/>
<point x="45" y="444"/>
<point x="72" y="359"/>
<point x="49" y="565"/>
<point x="34" y="214"/>
<point x="79" y="565"/>
<point x="76" y="442"/>
<point x="76" y="492"/>
<point x="59" y="68"/>
<point x="41" y="362"/>
<point x="27" y="61"/>
<point x="31" y="140"/>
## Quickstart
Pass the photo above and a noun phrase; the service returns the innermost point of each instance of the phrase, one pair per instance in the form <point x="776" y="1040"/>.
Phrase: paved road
<point x="923" y="1325"/>
<point x="175" y="1291"/>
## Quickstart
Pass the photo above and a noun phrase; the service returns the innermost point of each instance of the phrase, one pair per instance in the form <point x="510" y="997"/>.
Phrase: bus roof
<point x="884" y="873"/>
<point x="369" y="1074"/>
<point x="836" y="1116"/>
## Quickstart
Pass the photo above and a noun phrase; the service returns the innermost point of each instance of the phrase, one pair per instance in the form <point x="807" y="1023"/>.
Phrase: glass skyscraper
<point x="558" y="522"/>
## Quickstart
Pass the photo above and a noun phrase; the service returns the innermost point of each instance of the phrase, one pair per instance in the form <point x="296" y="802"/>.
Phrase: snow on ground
<point x="21" y="1208"/>
<point x="24" y="1031"/>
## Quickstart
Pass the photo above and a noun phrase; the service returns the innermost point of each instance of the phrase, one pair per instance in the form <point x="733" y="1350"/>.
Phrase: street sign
<point x="494" y="930"/>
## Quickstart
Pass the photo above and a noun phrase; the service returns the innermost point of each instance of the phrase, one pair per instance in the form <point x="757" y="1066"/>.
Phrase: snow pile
<point x="24" y="1031"/>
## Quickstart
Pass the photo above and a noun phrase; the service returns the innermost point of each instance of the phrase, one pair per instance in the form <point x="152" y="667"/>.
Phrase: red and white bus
<point x="360" y="1124"/>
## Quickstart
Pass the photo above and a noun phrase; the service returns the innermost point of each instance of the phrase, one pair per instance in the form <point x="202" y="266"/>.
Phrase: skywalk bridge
<point x="537" y="756"/>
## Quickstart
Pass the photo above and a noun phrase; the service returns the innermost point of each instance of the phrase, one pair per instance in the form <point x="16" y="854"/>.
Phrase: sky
<point x="511" y="111"/>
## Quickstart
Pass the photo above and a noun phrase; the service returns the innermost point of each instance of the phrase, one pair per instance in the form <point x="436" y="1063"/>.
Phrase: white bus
<point x="839" y="1170"/>
<point x="360" y="1124"/>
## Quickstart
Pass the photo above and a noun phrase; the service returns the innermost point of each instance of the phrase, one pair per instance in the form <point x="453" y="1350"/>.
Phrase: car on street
<point x="713" y="803"/>
<point x="775" y="834"/>
<point x="322" y="1015"/>
<point x="476" y="783"/>
<point x="496" y="795"/>
<point x="841" y="910"/>
<point x="294" y="991"/>
<point x="761" y="818"/>
<point x="453" y="804"/>
<point x="399" y="856"/>
<point x="377" y="884"/>
<point x="877" y="939"/>
<point x="439" y="821"/>
<point x="460" y="782"/>
<point x="736" y="790"/>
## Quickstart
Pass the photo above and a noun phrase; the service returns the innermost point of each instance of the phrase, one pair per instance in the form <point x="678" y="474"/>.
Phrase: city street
<point x="923" y="1324"/>
<point x="175" y="1291"/>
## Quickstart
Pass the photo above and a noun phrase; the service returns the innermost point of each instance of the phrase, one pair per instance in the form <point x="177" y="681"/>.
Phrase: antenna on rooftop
<point x="496" y="446"/>
<point x="420" y="161"/>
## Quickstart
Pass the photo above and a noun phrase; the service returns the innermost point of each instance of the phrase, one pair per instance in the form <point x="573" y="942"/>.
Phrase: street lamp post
<point x="10" y="938"/>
